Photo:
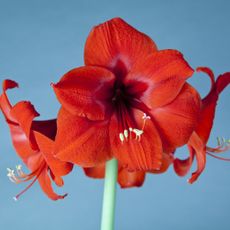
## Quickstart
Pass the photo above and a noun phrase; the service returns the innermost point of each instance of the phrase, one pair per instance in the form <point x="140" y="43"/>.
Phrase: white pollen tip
<point x="130" y="129"/>
<point x="9" y="170"/>
<point x="18" y="167"/>
<point x="15" y="198"/>
<point x="138" y="132"/>
<point x="126" y="134"/>
<point x="121" y="136"/>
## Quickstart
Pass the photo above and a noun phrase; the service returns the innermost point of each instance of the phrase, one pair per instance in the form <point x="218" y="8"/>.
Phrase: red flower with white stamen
<point x="130" y="101"/>
<point x="198" y="141"/>
<point x="33" y="141"/>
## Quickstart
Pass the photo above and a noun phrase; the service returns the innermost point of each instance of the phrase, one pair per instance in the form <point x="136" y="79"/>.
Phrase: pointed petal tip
<point x="222" y="82"/>
<point x="64" y="196"/>
<point x="54" y="85"/>
<point x="59" y="197"/>
<point x="9" y="84"/>
<point x="192" y="180"/>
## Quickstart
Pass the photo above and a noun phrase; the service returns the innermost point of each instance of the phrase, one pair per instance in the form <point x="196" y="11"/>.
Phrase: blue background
<point x="41" y="40"/>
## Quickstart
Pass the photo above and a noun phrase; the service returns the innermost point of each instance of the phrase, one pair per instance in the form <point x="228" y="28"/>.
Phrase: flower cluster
<point x="130" y="101"/>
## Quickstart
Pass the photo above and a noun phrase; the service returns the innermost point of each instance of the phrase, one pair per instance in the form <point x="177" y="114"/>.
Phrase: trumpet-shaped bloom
<point x="131" y="101"/>
<point x="197" y="143"/>
<point x="33" y="141"/>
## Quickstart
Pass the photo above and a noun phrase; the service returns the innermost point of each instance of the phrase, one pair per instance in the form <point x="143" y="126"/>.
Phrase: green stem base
<point x="109" y="199"/>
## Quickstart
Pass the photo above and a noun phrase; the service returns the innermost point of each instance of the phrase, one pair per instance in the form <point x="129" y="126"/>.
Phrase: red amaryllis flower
<point x="198" y="142"/>
<point x="33" y="141"/>
<point x="130" y="101"/>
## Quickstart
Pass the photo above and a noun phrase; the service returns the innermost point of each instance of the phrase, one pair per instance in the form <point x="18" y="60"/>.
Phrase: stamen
<point x="218" y="157"/>
<point x="138" y="133"/>
<point x="12" y="177"/>
<point x="221" y="141"/>
<point x="145" y="118"/>
<point x="10" y="172"/>
<point x="39" y="171"/>
<point x="223" y="146"/>
<point x="22" y="177"/>
<point x="121" y="136"/>
<point x="23" y="191"/>
<point x="126" y="134"/>
<point x="19" y="171"/>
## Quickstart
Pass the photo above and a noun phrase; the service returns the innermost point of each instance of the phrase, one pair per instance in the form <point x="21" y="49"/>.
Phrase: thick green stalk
<point x="109" y="199"/>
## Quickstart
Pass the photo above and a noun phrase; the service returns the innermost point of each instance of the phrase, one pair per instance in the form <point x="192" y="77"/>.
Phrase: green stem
<point x="108" y="209"/>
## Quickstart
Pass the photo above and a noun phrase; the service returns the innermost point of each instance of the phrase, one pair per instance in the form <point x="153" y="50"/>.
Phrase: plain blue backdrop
<point x="41" y="40"/>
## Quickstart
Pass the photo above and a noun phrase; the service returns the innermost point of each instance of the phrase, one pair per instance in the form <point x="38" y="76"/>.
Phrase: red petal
<point x="58" y="168"/>
<point x="4" y="101"/>
<point x="199" y="148"/>
<point x="167" y="160"/>
<point x="157" y="79"/>
<point x="222" y="82"/>
<point x="97" y="172"/>
<point x="9" y="84"/>
<point x="46" y="186"/>
<point x="125" y="178"/>
<point x="144" y="154"/>
<point x="20" y="141"/>
<point x="117" y="46"/>
<point x="24" y="113"/>
<point x="35" y="161"/>
<point x="177" y="120"/>
<point x="128" y="179"/>
<point x="209" y="105"/>
<point x="182" y="167"/>
<point x="85" y="91"/>
<point x="81" y="141"/>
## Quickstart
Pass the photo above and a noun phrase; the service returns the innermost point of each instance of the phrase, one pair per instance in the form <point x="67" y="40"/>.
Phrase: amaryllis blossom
<point x="198" y="141"/>
<point x="33" y="141"/>
<point x="130" y="101"/>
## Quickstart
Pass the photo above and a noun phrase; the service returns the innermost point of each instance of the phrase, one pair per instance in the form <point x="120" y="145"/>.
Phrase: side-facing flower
<point x="197" y="143"/>
<point x="33" y="141"/>
<point x="130" y="101"/>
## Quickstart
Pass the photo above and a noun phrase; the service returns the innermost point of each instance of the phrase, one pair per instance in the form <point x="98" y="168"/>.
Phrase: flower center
<point x="124" y="105"/>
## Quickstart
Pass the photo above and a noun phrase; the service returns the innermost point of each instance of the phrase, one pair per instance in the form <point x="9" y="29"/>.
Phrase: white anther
<point x="10" y="172"/>
<point x="121" y="136"/>
<point x="138" y="133"/>
<point x="18" y="167"/>
<point x="19" y="170"/>
<point x="126" y="133"/>
<point x="15" y="198"/>
<point x="145" y="117"/>
<point x="11" y="175"/>
<point x="130" y="129"/>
